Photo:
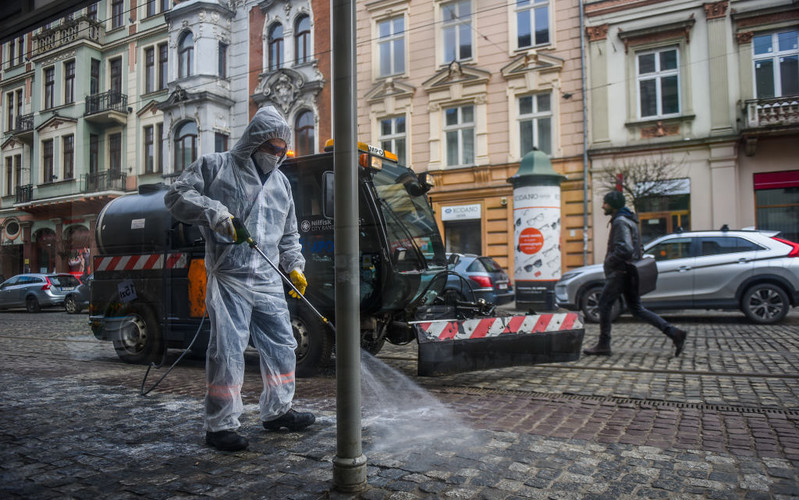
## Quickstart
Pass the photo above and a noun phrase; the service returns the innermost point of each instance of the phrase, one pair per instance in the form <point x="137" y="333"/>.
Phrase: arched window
<point x="302" y="39"/>
<point x="275" y="47"/>
<point x="304" y="133"/>
<point x="185" y="55"/>
<point x="185" y="145"/>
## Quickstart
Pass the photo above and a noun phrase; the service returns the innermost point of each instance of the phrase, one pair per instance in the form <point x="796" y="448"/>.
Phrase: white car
<point x="754" y="271"/>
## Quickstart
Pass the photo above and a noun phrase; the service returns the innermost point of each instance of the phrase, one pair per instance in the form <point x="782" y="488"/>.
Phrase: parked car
<point x="484" y="279"/>
<point x="34" y="291"/>
<point x="754" y="271"/>
<point x="79" y="300"/>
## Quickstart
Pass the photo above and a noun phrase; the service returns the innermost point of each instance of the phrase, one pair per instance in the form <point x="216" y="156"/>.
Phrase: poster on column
<point x="536" y="214"/>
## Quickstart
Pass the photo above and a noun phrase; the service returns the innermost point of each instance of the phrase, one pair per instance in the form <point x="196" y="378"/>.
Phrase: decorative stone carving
<point x="281" y="87"/>
<point x="596" y="33"/>
<point x="716" y="10"/>
<point x="744" y="37"/>
<point x="659" y="130"/>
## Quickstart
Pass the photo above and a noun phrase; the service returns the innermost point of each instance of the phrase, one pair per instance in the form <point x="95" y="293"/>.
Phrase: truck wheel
<point x="590" y="305"/>
<point x="314" y="342"/>
<point x="32" y="305"/>
<point x="71" y="305"/>
<point x="765" y="303"/>
<point x="139" y="338"/>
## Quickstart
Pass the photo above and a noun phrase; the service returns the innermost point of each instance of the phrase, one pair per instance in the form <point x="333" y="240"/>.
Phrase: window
<point x="17" y="171"/>
<point x="20" y="50"/>
<point x="49" y="88"/>
<point x="115" y="154"/>
<point x="149" y="70"/>
<point x="532" y="23"/>
<point x="10" y="111"/>
<point x="69" y="156"/>
<point x="275" y="41"/>
<point x="116" y="75"/>
<point x="302" y="39"/>
<point x="777" y="202"/>
<point x="162" y="65"/>
<point x="164" y="5"/>
<point x="391" y="46"/>
<point x="19" y="107"/>
<point x="776" y="58"/>
<point x="222" y="61"/>
<point x="94" y="77"/>
<point x="9" y="175"/>
<point x="220" y="142"/>
<point x="159" y="136"/>
<point x="304" y="133"/>
<point x="91" y="11"/>
<point x="535" y="123"/>
<point x="658" y="83"/>
<point x="718" y="245"/>
<point x="149" y="149"/>
<point x="12" y="51"/>
<point x="151" y="8"/>
<point x="117" y="13"/>
<point x="185" y="55"/>
<point x="94" y="154"/>
<point x="457" y="30"/>
<point x="185" y="145"/>
<point x="463" y="236"/>
<point x="47" y="160"/>
<point x="392" y="137"/>
<point x="459" y="130"/>
<point x="678" y="248"/>
<point x="69" y="82"/>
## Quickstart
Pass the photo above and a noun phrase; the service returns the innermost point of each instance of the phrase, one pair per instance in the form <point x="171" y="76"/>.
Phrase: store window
<point x="777" y="202"/>
<point x="462" y="231"/>
<point x="665" y="213"/>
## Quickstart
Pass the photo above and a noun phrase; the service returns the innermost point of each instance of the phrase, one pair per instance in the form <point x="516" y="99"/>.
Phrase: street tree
<point x="643" y="179"/>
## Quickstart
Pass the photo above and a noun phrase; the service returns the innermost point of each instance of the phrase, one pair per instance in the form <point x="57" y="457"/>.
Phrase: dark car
<point x="483" y="278"/>
<point x="34" y="291"/>
<point x="79" y="300"/>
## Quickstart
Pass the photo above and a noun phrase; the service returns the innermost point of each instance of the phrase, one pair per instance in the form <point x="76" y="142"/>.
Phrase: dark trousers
<point x="616" y="284"/>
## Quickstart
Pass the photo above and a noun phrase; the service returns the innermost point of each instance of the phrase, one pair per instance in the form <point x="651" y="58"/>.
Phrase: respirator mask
<point x="268" y="156"/>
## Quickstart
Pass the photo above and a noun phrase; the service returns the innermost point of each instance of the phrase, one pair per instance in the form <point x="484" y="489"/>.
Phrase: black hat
<point x="615" y="199"/>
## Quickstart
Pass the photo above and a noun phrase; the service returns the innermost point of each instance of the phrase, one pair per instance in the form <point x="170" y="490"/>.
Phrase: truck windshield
<point x="409" y="218"/>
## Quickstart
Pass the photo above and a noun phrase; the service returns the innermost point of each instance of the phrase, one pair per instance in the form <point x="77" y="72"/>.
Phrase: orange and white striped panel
<point x="142" y="262"/>
<point x="494" y="327"/>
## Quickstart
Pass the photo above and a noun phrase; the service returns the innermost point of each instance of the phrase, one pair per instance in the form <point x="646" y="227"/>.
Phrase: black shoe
<point x="292" y="420"/>
<point x="678" y="337"/>
<point x="598" y="350"/>
<point x="226" y="440"/>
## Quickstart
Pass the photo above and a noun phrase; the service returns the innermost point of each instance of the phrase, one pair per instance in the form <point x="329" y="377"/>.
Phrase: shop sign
<point x="461" y="212"/>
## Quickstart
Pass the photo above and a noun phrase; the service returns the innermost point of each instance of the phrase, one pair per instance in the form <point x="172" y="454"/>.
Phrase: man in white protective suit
<point x="244" y="295"/>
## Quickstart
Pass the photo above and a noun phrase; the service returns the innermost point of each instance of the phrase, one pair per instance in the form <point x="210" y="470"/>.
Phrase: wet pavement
<point x="721" y="421"/>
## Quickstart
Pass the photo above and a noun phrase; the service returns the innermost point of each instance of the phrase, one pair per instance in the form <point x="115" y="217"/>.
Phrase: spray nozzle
<point x="242" y="235"/>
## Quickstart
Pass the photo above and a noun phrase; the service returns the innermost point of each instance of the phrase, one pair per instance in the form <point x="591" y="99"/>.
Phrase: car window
<point x="10" y="282"/>
<point x="64" y="280"/>
<point x="718" y="245"/>
<point x="678" y="248"/>
<point x="491" y="265"/>
<point x="25" y="280"/>
<point x="476" y="267"/>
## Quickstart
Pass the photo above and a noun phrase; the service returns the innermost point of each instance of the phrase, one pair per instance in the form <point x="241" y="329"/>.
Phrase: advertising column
<point x="536" y="216"/>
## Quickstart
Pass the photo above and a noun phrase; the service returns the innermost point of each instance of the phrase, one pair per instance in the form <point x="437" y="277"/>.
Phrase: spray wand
<point x="243" y="236"/>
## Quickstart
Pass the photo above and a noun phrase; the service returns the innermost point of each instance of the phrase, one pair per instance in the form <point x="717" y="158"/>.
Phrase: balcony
<point x="24" y="193"/>
<point x="102" y="181"/>
<point x="107" y="108"/>
<point x="774" y="112"/>
<point x="81" y="28"/>
<point x="23" y="128"/>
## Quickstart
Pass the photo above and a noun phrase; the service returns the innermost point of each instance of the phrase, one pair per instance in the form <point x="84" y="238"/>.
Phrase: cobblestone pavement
<point x="721" y="421"/>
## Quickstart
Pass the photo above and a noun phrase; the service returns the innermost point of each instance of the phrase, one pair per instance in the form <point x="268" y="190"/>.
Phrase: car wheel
<point x="589" y="304"/>
<point x="314" y="342"/>
<point x="138" y="340"/>
<point x="32" y="305"/>
<point x="765" y="303"/>
<point x="71" y="305"/>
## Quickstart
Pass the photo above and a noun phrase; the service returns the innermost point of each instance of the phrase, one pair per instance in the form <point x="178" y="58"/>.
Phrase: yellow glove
<point x="299" y="281"/>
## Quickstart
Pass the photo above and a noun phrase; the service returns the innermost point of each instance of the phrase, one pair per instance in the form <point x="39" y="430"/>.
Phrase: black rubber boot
<point x="226" y="440"/>
<point x="602" y="348"/>
<point x="678" y="337"/>
<point x="292" y="420"/>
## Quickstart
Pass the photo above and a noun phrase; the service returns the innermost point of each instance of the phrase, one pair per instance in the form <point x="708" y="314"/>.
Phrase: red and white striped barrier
<point x="494" y="327"/>
<point x="142" y="262"/>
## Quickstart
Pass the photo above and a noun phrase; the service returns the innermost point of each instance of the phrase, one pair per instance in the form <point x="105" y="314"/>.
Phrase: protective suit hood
<point x="266" y="124"/>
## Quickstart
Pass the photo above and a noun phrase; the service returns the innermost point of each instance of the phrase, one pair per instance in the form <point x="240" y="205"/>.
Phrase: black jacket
<point x="624" y="242"/>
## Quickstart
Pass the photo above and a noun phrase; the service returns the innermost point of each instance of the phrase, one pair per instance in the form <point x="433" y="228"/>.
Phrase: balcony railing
<point x="775" y="111"/>
<point x="102" y="181"/>
<point x="107" y="101"/>
<point x="24" y="123"/>
<point x="24" y="193"/>
<point x="81" y="28"/>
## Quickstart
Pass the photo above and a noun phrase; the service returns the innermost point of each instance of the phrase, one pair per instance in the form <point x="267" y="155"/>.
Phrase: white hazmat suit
<point x="244" y="295"/>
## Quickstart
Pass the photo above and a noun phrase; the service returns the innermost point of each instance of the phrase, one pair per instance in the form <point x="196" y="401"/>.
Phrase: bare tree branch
<point x="643" y="178"/>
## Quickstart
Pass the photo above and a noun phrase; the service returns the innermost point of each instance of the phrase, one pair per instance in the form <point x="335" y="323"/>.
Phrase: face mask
<point x="265" y="161"/>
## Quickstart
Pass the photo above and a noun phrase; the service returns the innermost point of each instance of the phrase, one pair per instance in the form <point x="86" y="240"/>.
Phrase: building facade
<point x="711" y="90"/>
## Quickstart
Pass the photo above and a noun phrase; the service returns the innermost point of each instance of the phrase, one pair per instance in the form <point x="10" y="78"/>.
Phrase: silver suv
<point x="34" y="291"/>
<point x="754" y="271"/>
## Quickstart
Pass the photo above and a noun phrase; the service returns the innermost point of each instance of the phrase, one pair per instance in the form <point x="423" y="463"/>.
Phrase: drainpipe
<point x="585" y="135"/>
<point x="349" y="465"/>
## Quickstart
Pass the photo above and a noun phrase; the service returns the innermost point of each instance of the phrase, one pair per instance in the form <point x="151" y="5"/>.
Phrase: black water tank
<point x="136" y="223"/>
